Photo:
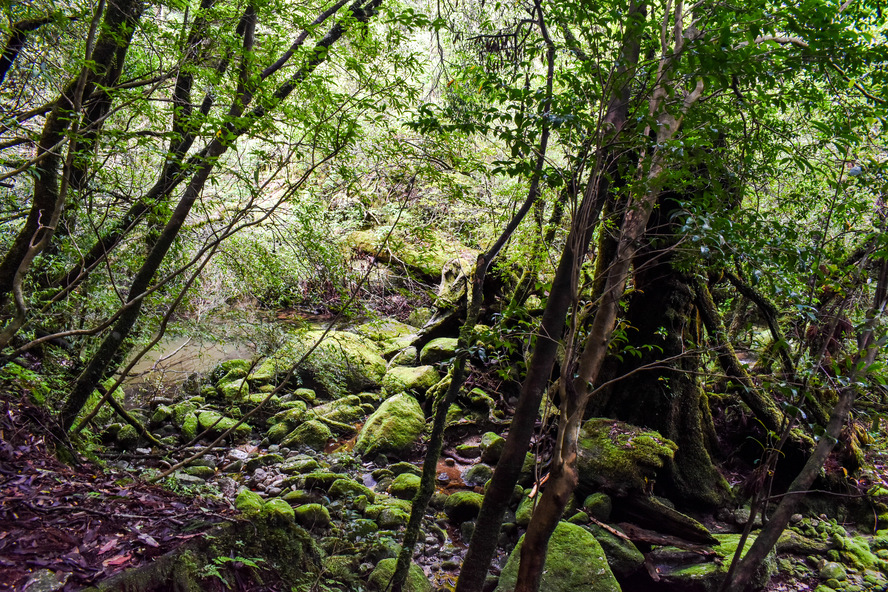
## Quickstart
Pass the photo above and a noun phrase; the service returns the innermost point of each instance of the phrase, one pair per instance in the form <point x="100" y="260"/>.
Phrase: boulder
<point x="277" y="510"/>
<point x="312" y="434"/>
<point x="349" y="488"/>
<point x="248" y="502"/>
<point x="689" y="571"/>
<point x="342" y="362"/>
<point x="405" y="486"/>
<point x="382" y="573"/>
<point x="623" y="557"/>
<point x="463" y="505"/>
<point x="617" y="457"/>
<point x="312" y="516"/>
<point x="491" y="447"/>
<point x="575" y="562"/>
<point x="394" y="428"/>
<point x="438" y="350"/>
<point x="404" y="379"/>
<point x="218" y="423"/>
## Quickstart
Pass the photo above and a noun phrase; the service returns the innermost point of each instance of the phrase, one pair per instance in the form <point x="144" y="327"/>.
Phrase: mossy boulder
<point x="623" y="557"/>
<point x="346" y="410"/>
<point x="233" y="390"/>
<point x="491" y="447"/>
<point x="393" y="429"/>
<point x="342" y="362"/>
<point x="599" y="506"/>
<point x="189" y="426"/>
<point x="404" y="379"/>
<point x="249" y="502"/>
<point x="438" y="350"/>
<point x="127" y="437"/>
<point x="385" y="569"/>
<point x="162" y="414"/>
<point x="688" y="571"/>
<point x="230" y="369"/>
<point x="524" y="512"/>
<point x="478" y="474"/>
<point x="405" y="486"/>
<point x="462" y="506"/>
<point x="385" y="331"/>
<point x="424" y="255"/>
<point x="342" y="488"/>
<point x="313" y="516"/>
<point x="312" y="434"/>
<point x="277" y="510"/>
<point x="218" y="423"/>
<point x="617" y="457"/>
<point x="575" y="562"/>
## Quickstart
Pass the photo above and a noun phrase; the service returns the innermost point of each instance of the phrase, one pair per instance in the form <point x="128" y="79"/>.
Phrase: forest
<point x="413" y="295"/>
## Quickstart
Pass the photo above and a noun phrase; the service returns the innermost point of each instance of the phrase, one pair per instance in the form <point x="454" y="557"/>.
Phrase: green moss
<point x="574" y="561"/>
<point x="619" y="457"/>
<point x="708" y="575"/>
<point x="349" y="488"/>
<point x="463" y="505"/>
<point x="313" y="516"/>
<point x="248" y="502"/>
<point x="342" y="362"/>
<point x="405" y="486"/>
<point x="385" y="569"/>
<point x="394" y="428"/>
<point x="438" y="350"/>
<point x="278" y="510"/>
<point x="218" y="423"/>
<point x="312" y="434"/>
<point x="416" y="380"/>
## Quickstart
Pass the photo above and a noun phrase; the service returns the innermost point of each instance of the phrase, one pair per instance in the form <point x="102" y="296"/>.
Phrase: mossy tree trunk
<point x="663" y="324"/>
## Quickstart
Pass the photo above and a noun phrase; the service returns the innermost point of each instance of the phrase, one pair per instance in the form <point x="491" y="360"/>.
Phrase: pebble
<point x="274" y="491"/>
<point x="449" y="462"/>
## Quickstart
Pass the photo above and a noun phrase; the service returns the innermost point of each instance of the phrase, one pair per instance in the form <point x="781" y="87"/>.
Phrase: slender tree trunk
<point x="118" y="25"/>
<point x="223" y="140"/>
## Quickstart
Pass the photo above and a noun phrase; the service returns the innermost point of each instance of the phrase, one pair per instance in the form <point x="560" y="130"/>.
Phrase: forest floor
<point x="81" y="524"/>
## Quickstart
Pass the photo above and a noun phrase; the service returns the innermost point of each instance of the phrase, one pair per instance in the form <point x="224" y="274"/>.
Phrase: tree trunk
<point x="223" y="140"/>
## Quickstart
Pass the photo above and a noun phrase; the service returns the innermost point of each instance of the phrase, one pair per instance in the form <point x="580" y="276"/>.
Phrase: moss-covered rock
<point x="491" y="447"/>
<point x="438" y="350"/>
<point x="463" y="505"/>
<point x="688" y="571"/>
<point x="248" y="502"/>
<point x="346" y="410"/>
<point x="525" y="511"/>
<point x="233" y="390"/>
<point x="162" y="414"/>
<point x="313" y="516"/>
<point x="127" y="437"/>
<point x="299" y="464"/>
<point x="312" y="434"/>
<point x="574" y="562"/>
<point x="278" y="510"/>
<point x="623" y="557"/>
<point x="404" y="379"/>
<point x="405" y="486"/>
<point x="342" y="362"/>
<point x="385" y="569"/>
<point x="424" y="255"/>
<point x="230" y="369"/>
<point x="217" y="423"/>
<point x="189" y="426"/>
<point x="478" y="474"/>
<point x="350" y="488"/>
<point x="599" y="506"/>
<point x="617" y="457"/>
<point x="394" y="428"/>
